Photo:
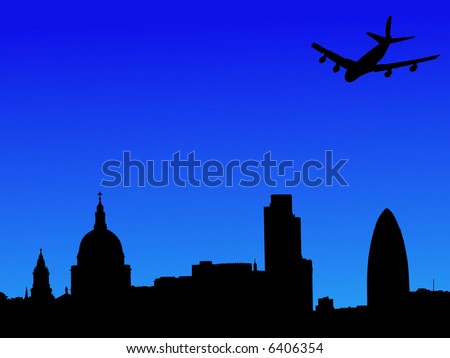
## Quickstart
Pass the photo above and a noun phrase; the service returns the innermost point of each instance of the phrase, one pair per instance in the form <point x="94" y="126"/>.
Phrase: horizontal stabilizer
<point x="376" y="37"/>
<point x="398" y="39"/>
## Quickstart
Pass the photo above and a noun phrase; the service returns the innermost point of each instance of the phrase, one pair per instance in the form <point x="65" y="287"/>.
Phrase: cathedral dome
<point x="100" y="247"/>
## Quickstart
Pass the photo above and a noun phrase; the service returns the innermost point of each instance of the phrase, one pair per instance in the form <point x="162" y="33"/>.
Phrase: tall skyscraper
<point x="289" y="273"/>
<point x="387" y="272"/>
<point x="282" y="236"/>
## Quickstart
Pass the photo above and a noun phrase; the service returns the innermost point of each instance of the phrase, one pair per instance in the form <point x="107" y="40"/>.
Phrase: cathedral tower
<point x="41" y="291"/>
<point x="100" y="273"/>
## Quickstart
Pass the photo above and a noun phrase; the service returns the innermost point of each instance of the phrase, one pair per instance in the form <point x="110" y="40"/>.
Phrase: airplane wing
<point x="339" y="60"/>
<point x="412" y="63"/>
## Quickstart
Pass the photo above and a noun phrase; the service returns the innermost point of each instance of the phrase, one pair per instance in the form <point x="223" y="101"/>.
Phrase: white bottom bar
<point x="225" y="347"/>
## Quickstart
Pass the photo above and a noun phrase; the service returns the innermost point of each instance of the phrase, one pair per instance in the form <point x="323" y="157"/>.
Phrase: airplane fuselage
<point x="366" y="63"/>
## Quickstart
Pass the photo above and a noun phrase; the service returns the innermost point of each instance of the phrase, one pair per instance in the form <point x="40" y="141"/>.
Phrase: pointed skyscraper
<point x="387" y="272"/>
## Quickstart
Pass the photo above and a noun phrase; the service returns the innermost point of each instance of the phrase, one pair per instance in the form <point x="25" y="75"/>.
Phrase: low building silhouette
<point x="325" y="305"/>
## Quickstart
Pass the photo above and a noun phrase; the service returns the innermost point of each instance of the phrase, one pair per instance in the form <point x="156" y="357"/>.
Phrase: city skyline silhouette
<point x="218" y="295"/>
<point x="83" y="85"/>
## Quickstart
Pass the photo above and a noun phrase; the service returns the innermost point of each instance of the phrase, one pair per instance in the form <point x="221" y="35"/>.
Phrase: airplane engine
<point x="322" y="59"/>
<point x="336" y="68"/>
<point x="413" y="67"/>
<point x="388" y="73"/>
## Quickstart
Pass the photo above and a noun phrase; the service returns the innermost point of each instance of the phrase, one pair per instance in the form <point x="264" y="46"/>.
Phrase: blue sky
<point x="82" y="83"/>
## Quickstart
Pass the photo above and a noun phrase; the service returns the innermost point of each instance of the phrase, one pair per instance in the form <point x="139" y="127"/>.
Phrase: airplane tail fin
<point x="388" y="27"/>
<point x="388" y="38"/>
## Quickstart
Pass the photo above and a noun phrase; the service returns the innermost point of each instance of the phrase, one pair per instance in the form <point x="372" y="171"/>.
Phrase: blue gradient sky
<point x="81" y="83"/>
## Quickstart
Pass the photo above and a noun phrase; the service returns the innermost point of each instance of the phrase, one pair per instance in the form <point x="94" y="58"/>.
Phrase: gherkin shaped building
<point x="387" y="272"/>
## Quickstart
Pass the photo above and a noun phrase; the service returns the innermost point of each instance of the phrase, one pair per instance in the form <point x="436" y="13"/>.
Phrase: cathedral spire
<point x="100" y="221"/>
<point x="40" y="261"/>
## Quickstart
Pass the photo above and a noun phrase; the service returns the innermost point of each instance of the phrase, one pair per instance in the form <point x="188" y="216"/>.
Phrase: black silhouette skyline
<point x="254" y="88"/>
<point x="227" y="299"/>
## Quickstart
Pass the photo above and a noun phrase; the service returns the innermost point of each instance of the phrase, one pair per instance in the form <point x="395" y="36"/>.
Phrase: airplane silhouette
<point x="369" y="62"/>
